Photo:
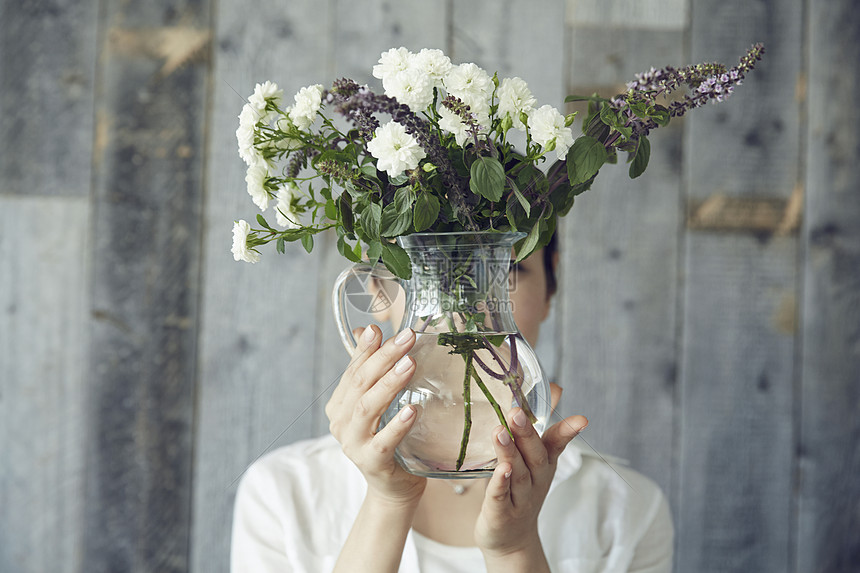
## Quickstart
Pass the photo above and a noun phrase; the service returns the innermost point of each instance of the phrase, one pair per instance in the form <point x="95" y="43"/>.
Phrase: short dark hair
<point x="549" y="252"/>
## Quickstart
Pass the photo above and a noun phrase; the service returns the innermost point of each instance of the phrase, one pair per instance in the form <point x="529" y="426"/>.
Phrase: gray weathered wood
<point x="259" y="322"/>
<point x="47" y="70"/>
<point x="629" y="14"/>
<point x="829" y="449"/>
<point x="43" y="295"/>
<point x="524" y="39"/>
<point x="737" y="363"/>
<point x="735" y="450"/>
<point x="620" y="258"/>
<point x="146" y="225"/>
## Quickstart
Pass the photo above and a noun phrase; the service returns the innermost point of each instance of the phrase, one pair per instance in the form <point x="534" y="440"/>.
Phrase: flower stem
<point x="467" y="411"/>
<point x="492" y="401"/>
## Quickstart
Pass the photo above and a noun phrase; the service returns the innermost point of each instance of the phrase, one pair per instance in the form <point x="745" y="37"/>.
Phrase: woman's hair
<point x="548" y="254"/>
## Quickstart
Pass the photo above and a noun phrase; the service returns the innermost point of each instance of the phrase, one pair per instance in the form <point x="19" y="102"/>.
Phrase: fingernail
<point x="403" y="336"/>
<point x="368" y="335"/>
<point x="402" y="365"/>
<point x="508" y="474"/>
<point x="407" y="413"/>
<point x="520" y="419"/>
<point x="504" y="438"/>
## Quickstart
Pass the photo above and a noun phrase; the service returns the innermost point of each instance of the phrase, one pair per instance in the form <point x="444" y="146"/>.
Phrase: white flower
<point x="395" y="149"/>
<point x="451" y="122"/>
<point x="471" y="84"/>
<point x="240" y="249"/>
<point x="547" y="125"/>
<point x="308" y="102"/>
<point x="245" y="136"/>
<point x="285" y="214"/>
<point x="410" y="87"/>
<point x="263" y="93"/>
<point x="392" y="63"/>
<point x="515" y="98"/>
<point x="256" y="178"/>
<point x="434" y="64"/>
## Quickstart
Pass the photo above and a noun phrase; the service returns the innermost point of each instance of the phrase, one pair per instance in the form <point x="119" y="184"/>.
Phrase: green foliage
<point x="479" y="184"/>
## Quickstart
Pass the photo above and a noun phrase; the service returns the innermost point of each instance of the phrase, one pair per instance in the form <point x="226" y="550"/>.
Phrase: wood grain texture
<point x="43" y="343"/>
<point x="737" y="363"/>
<point x="620" y="272"/>
<point x="146" y="236"/>
<point x="754" y="136"/>
<point x="630" y="14"/>
<point x="47" y="70"/>
<point x="829" y="449"/>
<point x="259" y="322"/>
<point x="735" y="457"/>
<point x="524" y="39"/>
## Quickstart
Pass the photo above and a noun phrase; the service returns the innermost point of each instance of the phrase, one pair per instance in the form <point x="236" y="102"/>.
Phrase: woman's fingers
<point x="558" y="436"/>
<point x="499" y="487"/>
<point x="371" y="405"/>
<point x="369" y="363"/>
<point x="528" y="442"/>
<point x="383" y="443"/>
<point x="507" y="453"/>
<point x="382" y="360"/>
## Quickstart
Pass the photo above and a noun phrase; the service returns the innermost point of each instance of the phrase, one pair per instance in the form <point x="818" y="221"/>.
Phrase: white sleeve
<point x="653" y="553"/>
<point x="258" y="532"/>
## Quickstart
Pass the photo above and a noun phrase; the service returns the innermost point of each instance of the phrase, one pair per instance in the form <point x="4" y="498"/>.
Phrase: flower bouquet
<point x="423" y="177"/>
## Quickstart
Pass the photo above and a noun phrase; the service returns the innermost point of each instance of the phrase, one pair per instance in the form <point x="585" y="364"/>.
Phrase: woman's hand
<point x="507" y="524"/>
<point x="371" y="381"/>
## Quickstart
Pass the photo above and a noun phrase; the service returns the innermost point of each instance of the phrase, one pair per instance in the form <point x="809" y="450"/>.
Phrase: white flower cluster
<point x="410" y="78"/>
<point x="267" y="130"/>
<point x="261" y="111"/>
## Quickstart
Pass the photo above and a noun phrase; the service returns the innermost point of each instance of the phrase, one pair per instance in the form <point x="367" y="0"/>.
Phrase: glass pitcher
<point x="472" y="364"/>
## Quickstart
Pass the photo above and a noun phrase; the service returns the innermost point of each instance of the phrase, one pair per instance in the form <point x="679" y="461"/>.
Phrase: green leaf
<point x="609" y="117"/>
<point x="426" y="211"/>
<point x="356" y="250"/>
<point x="308" y="242"/>
<point x="593" y="97"/>
<point x="584" y="159"/>
<point x="344" y="249"/>
<point x="331" y="210"/>
<point x="529" y="243"/>
<point x="594" y="127"/>
<point x="374" y="251"/>
<point x="521" y="198"/>
<point x="640" y="160"/>
<point x="344" y="204"/>
<point x="487" y="178"/>
<point x="496" y="339"/>
<point x="369" y="170"/>
<point x="371" y="219"/>
<point x="280" y="245"/>
<point x="396" y="259"/>
<point x="393" y="223"/>
<point x="262" y="221"/>
<point x="404" y="197"/>
<point x="661" y="116"/>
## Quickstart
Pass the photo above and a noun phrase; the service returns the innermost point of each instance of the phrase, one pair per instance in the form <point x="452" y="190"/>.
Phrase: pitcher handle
<point x="339" y="298"/>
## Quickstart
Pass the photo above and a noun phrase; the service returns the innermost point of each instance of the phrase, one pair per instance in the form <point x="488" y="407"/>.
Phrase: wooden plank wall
<point x="708" y="321"/>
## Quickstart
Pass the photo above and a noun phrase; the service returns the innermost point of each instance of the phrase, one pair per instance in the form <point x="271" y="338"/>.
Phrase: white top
<point x="296" y="505"/>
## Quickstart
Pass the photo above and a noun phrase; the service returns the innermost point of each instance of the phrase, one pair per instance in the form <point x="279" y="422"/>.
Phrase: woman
<point x="342" y="503"/>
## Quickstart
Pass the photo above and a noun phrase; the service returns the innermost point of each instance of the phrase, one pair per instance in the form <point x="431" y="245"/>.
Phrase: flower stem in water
<point x="467" y="409"/>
